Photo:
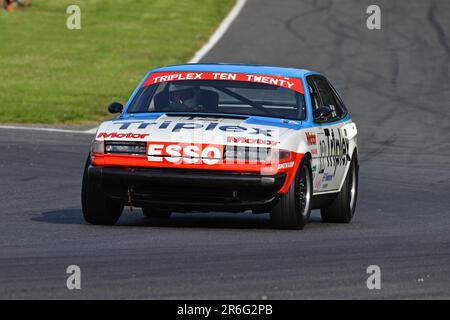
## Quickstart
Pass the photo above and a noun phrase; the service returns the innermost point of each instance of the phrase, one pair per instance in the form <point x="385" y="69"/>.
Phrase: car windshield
<point x="220" y="96"/>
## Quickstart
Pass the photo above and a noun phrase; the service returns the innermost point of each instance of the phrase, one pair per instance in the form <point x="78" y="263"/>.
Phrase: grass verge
<point x="49" y="74"/>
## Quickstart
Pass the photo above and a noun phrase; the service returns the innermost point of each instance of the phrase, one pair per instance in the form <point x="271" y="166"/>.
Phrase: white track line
<point x="223" y="27"/>
<point x="216" y="36"/>
<point x="89" y="131"/>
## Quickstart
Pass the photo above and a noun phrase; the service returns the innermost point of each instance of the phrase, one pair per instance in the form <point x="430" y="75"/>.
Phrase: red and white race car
<point x="218" y="137"/>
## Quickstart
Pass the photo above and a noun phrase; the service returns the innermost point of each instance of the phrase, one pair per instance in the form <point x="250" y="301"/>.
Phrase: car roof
<point x="238" y="68"/>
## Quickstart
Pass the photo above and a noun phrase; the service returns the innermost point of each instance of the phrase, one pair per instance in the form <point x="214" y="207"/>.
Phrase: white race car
<point x="220" y="137"/>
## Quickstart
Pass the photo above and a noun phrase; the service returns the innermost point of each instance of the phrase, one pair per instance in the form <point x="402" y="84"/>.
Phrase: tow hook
<point x="130" y="192"/>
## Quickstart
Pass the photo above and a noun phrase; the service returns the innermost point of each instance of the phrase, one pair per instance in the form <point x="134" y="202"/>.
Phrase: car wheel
<point x="156" y="213"/>
<point x="293" y="209"/>
<point x="97" y="207"/>
<point x="342" y="208"/>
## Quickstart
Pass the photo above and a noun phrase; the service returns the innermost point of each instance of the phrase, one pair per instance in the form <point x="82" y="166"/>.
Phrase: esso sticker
<point x="184" y="153"/>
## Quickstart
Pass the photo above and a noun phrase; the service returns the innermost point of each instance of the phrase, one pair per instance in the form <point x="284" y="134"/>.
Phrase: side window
<point x="339" y="100"/>
<point x="328" y="98"/>
<point x="313" y="93"/>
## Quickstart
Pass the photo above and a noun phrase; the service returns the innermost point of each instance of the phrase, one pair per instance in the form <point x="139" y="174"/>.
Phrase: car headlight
<point x="124" y="147"/>
<point x="98" y="146"/>
<point x="242" y="153"/>
<point x="256" y="154"/>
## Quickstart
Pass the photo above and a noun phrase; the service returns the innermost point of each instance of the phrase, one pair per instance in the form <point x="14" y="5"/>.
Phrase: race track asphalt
<point x="395" y="81"/>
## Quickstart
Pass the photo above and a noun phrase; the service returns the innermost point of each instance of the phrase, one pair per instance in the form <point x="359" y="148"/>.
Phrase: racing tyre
<point x="97" y="207"/>
<point x="156" y="213"/>
<point x="294" y="208"/>
<point x="342" y="208"/>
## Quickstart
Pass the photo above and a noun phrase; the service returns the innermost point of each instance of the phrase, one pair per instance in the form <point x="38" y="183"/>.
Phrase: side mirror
<point x="115" y="107"/>
<point x="322" y="113"/>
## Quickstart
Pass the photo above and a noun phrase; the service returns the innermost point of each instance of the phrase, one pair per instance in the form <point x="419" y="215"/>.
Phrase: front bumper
<point x="188" y="190"/>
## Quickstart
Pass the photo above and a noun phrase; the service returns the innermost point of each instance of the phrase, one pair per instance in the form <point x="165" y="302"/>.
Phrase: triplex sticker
<point x="285" y="82"/>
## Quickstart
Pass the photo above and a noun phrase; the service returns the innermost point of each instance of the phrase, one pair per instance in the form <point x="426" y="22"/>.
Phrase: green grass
<point x="49" y="74"/>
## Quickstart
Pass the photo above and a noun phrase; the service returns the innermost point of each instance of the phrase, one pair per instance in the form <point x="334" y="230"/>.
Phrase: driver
<point x="184" y="97"/>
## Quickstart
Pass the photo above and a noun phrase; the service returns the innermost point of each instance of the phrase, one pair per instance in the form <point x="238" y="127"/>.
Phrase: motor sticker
<point x="245" y="140"/>
<point x="311" y="138"/>
<point x="120" y="135"/>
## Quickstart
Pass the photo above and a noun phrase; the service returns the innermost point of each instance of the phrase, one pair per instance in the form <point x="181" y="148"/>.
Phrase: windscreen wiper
<point x="237" y="96"/>
<point x="204" y="114"/>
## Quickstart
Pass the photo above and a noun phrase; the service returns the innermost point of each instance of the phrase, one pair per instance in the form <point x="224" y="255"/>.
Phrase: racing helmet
<point x="184" y="95"/>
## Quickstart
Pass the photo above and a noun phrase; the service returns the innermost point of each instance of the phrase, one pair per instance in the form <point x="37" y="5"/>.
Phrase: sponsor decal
<point x="333" y="149"/>
<point x="120" y="135"/>
<point x="311" y="138"/>
<point x="184" y="153"/>
<point x="231" y="139"/>
<point x="286" y="82"/>
<point x="290" y="122"/>
<point x="285" y="165"/>
<point x="327" y="177"/>
<point x="314" y="168"/>
<point x="314" y="151"/>
<point x="175" y="126"/>
<point x="317" y="183"/>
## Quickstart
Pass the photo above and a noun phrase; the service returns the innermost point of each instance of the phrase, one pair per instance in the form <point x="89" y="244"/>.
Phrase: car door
<point x="331" y="157"/>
